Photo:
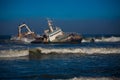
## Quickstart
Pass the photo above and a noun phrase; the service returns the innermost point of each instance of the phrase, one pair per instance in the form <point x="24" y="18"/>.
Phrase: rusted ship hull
<point x="71" y="42"/>
<point x="71" y="38"/>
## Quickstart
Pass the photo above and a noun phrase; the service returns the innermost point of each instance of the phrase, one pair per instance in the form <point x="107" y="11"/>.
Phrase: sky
<point x="81" y="16"/>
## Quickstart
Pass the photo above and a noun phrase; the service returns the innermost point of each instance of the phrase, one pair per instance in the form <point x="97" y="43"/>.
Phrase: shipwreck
<point x="53" y="34"/>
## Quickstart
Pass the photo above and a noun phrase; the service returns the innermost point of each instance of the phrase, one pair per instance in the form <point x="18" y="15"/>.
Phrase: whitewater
<point x="88" y="39"/>
<point x="19" y="53"/>
<point x="78" y="50"/>
<point x="101" y="45"/>
<point x="102" y="39"/>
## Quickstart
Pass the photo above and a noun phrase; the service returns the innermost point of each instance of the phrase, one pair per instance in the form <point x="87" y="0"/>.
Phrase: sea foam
<point x="78" y="50"/>
<point x="19" y="53"/>
<point x="90" y="78"/>
<point x="26" y="40"/>
<point x="13" y="53"/>
<point x="102" y="39"/>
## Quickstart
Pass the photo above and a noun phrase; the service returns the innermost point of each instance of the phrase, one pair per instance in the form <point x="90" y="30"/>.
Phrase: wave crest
<point x="92" y="78"/>
<point x="13" y="53"/>
<point x="26" y="40"/>
<point x="19" y="53"/>
<point x="102" y="39"/>
<point x="77" y="50"/>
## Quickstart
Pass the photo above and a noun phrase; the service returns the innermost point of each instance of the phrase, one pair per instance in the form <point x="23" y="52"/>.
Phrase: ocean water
<point x="99" y="60"/>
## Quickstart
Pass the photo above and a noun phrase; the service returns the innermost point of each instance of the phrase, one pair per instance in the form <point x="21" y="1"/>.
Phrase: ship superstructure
<point x="27" y="36"/>
<point x="53" y="32"/>
<point x="55" y="35"/>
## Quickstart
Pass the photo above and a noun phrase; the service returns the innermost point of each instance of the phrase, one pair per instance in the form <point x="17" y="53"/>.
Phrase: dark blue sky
<point x="82" y="16"/>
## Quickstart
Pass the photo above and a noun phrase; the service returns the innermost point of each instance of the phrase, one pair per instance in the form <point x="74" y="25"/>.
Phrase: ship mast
<point x="50" y="25"/>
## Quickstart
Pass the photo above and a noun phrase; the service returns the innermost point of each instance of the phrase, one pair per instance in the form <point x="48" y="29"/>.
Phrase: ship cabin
<point x="53" y="32"/>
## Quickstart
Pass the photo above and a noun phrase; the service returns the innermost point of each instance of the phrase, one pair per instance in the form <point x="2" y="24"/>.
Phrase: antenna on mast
<point x="50" y="25"/>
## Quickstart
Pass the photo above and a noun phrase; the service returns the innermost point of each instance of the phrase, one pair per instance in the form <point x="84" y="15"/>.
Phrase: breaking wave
<point x="77" y="50"/>
<point x="13" y="53"/>
<point x="90" y="78"/>
<point x="102" y="39"/>
<point x="26" y="52"/>
<point x="26" y="40"/>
